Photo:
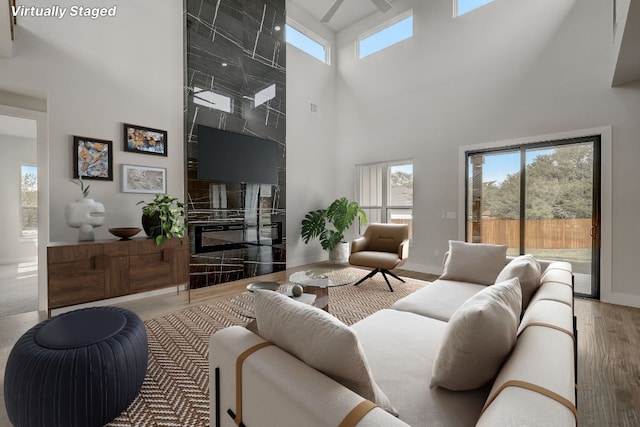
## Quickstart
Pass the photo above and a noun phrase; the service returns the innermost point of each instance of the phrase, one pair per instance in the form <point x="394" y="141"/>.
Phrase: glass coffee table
<point x="318" y="281"/>
<point x="243" y="304"/>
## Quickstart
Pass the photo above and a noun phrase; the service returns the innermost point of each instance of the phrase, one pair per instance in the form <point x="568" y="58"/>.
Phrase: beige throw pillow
<point x="474" y="262"/>
<point x="527" y="269"/>
<point x="478" y="337"/>
<point x="320" y="340"/>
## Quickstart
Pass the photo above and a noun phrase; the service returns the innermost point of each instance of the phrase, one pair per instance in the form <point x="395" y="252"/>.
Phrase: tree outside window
<point x="29" y="201"/>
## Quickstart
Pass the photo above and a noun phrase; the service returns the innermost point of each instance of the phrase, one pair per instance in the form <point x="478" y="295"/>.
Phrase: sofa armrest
<point x="278" y="389"/>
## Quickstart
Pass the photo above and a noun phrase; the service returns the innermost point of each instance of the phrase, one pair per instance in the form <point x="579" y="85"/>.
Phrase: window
<point x="307" y="42"/>
<point x="463" y="6"/>
<point x="29" y="201"/>
<point x="392" y="32"/>
<point x="385" y="192"/>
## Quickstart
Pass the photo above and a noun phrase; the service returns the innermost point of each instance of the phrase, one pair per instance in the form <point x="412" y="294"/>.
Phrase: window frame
<point x="385" y="186"/>
<point x="456" y="8"/>
<point x="312" y="36"/>
<point x="385" y="25"/>
<point x="27" y="234"/>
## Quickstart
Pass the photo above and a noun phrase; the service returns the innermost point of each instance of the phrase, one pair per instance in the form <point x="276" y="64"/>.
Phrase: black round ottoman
<point x="81" y="368"/>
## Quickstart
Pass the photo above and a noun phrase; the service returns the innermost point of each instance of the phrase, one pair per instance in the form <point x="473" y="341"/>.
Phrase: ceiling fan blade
<point x="382" y="5"/>
<point x="327" y="17"/>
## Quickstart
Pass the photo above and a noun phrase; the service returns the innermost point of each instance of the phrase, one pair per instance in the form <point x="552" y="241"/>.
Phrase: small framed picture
<point x="143" y="179"/>
<point x="139" y="139"/>
<point x="92" y="158"/>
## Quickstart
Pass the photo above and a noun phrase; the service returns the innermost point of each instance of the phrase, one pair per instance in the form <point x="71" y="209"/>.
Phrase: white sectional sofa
<point x="535" y="383"/>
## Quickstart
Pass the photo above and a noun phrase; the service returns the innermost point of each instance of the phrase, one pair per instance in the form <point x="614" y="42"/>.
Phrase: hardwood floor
<point x="608" y="364"/>
<point x="608" y="347"/>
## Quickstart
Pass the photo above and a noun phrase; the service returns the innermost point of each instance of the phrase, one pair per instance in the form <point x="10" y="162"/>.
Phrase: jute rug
<point x="175" y="392"/>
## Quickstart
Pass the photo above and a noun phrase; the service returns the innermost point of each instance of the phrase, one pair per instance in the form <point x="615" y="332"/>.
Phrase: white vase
<point x="85" y="215"/>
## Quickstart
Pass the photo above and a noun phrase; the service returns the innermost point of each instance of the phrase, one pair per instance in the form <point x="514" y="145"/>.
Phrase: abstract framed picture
<point x="139" y="139"/>
<point x="92" y="158"/>
<point x="143" y="179"/>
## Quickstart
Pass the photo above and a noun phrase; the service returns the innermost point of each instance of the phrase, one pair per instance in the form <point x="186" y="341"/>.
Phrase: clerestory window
<point x="460" y="7"/>
<point x="390" y="33"/>
<point x="306" y="41"/>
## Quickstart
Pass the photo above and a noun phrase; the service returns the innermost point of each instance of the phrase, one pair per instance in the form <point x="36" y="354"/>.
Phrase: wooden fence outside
<point x="540" y="233"/>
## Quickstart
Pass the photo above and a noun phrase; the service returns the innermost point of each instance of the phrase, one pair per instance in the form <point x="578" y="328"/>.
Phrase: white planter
<point x="340" y="253"/>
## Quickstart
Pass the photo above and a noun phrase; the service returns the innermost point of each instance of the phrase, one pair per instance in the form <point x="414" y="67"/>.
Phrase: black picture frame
<point x="92" y="158"/>
<point x="144" y="140"/>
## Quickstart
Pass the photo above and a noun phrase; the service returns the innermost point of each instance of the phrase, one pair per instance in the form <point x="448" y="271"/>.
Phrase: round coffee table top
<point x="323" y="277"/>
<point x="244" y="305"/>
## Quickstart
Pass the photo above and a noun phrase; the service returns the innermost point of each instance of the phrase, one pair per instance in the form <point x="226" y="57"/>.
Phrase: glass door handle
<point x="593" y="231"/>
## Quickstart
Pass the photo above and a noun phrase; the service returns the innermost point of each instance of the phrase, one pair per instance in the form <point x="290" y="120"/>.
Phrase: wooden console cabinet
<point x="82" y="272"/>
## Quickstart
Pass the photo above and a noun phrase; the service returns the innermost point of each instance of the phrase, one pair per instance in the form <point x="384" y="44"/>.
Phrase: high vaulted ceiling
<point x="349" y="12"/>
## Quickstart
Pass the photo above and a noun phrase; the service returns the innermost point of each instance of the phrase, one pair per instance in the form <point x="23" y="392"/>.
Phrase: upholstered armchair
<point x="383" y="247"/>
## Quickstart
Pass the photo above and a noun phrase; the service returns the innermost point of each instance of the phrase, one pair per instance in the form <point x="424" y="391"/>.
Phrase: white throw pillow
<point x="320" y="340"/>
<point x="474" y="262"/>
<point x="478" y="337"/>
<point x="527" y="269"/>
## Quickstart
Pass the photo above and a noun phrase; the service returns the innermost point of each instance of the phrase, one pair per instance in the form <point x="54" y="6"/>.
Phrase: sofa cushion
<point x="474" y="262"/>
<point x="401" y="347"/>
<point x="318" y="339"/>
<point x="438" y="300"/>
<point x="527" y="269"/>
<point x="479" y="336"/>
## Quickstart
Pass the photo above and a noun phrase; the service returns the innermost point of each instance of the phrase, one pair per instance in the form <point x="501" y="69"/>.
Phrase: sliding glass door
<point x="541" y="199"/>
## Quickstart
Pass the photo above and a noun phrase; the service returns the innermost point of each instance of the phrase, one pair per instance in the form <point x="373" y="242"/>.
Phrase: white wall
<point x="505" y="71"/>
<point x="311" y="139"/>
<point x="95" y="75"/>
<point x="16" y="151"/>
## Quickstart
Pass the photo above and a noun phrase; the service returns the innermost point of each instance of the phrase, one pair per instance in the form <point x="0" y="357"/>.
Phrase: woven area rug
<point x="176" y="389"/>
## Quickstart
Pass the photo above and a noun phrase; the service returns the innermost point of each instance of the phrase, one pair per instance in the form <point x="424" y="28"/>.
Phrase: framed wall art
<point x="139" y="139"/>
<point x="143" y="179"/>
<point x="92" y="158"/>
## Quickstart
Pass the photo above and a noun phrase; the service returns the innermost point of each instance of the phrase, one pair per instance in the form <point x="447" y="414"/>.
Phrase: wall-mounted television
<point x="233" y="157"/>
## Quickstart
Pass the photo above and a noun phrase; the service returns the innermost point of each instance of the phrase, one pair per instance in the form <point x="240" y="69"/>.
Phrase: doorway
<point x="19" y="280"/>
<point x="541" y="199"/>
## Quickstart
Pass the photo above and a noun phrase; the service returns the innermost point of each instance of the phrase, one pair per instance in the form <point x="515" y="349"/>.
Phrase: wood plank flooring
<point x="608" y="347"/>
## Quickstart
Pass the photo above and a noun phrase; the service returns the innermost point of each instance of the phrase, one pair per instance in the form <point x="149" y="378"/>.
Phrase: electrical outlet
<point x="436" y="252"/>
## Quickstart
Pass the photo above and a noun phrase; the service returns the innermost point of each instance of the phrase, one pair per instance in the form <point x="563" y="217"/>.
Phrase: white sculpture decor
<point x="84" y="214"/>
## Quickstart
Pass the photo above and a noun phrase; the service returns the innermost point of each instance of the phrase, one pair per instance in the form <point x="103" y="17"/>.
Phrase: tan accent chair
<point x="382" y="247"/>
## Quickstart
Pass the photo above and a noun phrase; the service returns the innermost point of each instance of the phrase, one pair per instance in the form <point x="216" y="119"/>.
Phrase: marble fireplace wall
<point x="235" y="81"/>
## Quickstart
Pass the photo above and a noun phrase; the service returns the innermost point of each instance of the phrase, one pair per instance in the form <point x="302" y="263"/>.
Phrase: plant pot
<point x="340" y="253"/>
<point x="152" y="224"/>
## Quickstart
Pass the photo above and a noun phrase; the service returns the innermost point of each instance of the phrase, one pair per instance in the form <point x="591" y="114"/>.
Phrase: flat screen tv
<point x="234" y="157"/>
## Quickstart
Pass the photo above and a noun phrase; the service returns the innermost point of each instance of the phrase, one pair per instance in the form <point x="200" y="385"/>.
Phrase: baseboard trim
<point x="617" y="298"/>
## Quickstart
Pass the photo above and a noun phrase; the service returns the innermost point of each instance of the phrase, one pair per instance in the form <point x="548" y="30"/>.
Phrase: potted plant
<point x="340" y="215"/>
<point x="163" y="218"/>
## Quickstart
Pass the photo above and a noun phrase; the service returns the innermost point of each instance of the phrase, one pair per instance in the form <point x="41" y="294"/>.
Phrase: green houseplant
<point x="339" y="215"/>
<point x="164" y="217"/>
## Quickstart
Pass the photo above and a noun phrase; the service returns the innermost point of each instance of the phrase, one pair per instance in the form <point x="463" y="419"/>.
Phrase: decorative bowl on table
<point x="270" y="286"/>
<point x="125" y="233"/>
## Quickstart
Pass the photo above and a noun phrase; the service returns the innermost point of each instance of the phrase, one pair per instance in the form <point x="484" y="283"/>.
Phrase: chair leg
<point x="386" y="279"/>
<point x="384" y="274"/>
<point x="371" y="274"/>
<point x="394" y="276"/>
